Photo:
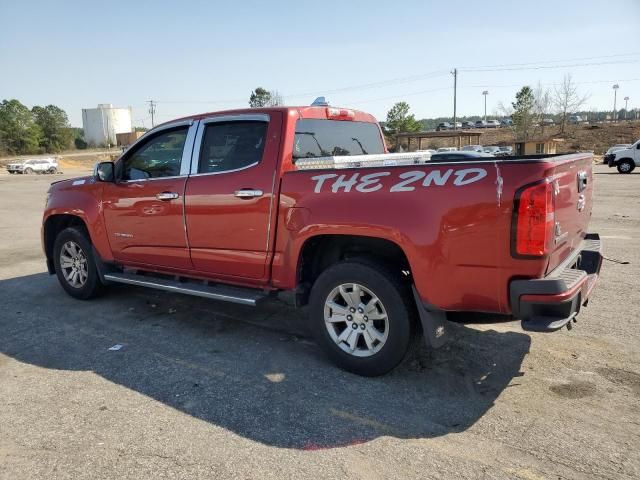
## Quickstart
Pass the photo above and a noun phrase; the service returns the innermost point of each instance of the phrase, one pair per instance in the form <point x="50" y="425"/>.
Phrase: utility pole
<point x="615" y="97"/>
<point x="455" y="91"/>
<point x="152" y="111"/>
<point x="485" y="93"/>
<point x="626" y="103"/>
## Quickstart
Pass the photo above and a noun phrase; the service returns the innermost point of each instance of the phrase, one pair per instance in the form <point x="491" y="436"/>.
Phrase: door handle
<point x="165" y="196"/>
<point x="248" y="193"/>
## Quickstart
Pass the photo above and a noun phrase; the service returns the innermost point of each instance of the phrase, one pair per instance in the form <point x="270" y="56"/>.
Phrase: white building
<point x="103" y="123"/>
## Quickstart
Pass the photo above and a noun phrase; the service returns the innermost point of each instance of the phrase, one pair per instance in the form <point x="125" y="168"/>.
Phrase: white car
<point x="625" y="160"/>
<point x="447" y="149"/>
<point x="472" y="148"/>
<point x="34" y="165"/>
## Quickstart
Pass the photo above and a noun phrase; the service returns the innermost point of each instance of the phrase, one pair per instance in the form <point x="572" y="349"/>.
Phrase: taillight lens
<point x="535" y="220"/>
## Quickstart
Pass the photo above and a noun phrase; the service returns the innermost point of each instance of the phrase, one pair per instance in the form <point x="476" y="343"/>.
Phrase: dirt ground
<point x="201" y="389"/>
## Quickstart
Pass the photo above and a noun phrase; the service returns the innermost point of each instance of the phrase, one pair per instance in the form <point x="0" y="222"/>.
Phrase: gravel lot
<point x="202" y="389"/>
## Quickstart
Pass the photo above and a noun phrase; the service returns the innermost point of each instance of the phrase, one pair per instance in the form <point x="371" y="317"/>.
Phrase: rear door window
<point x="229" y="146"/>
<point x="323" y="138"/>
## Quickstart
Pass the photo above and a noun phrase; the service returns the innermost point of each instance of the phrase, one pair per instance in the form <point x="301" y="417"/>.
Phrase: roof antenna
<point x="320" y="102"/>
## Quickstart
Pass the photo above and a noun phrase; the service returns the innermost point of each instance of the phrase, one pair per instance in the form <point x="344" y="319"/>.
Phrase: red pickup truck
<point x="219" y="205"/>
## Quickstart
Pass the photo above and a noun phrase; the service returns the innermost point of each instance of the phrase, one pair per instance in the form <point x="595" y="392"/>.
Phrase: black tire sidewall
<point x="93" y="284"/>
<point x="394" y="298"/>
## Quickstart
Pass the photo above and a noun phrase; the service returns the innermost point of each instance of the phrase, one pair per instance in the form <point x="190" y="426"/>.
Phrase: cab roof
<point x="316" y="112"/>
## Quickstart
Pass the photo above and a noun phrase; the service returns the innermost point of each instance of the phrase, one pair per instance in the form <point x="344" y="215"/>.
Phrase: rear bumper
<point x="548" y="304"/>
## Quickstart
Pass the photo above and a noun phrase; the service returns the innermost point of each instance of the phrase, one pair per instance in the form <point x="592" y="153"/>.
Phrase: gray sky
<point x="200" y="56"/>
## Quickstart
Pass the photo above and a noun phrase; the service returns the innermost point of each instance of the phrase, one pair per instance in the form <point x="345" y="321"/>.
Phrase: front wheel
<point x="75" y="265"/>
<point x="362" y="316"/>
<point x="28" y="170"/>
<point x="626" y="166"/>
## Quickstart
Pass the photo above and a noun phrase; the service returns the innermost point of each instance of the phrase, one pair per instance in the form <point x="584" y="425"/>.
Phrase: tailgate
<point x="573" y="184"/>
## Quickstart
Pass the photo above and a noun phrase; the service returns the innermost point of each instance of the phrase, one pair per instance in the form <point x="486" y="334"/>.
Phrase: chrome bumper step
<point x="225" y="293"/>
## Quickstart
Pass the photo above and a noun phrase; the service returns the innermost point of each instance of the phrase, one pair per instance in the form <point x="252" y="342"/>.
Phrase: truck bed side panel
<point x="445" y="217"/>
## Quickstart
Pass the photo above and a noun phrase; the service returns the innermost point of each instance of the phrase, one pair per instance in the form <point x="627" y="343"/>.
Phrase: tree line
<point x="37" y="130"/>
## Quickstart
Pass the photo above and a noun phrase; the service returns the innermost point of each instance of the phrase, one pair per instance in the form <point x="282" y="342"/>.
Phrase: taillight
<point x="340" y="113"/>
<point x="535" y="220"/>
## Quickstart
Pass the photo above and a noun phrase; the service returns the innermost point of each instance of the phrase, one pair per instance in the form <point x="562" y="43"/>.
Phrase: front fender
<point x="83" y="201"/>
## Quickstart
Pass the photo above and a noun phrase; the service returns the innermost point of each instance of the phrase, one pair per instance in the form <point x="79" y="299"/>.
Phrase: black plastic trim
<point x="548" y="317"/>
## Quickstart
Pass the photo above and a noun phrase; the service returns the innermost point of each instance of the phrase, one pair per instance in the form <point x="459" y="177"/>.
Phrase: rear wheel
<point x="626" y="166"/>
<point x="75" y="265"/>
<point x="362" y="316"/>
<point x="52" y="170"/>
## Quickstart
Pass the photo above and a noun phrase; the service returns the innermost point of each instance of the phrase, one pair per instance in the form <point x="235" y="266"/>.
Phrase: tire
<point x="52" y="170"/>
<point x="86" y="284"/>
<point x="28" y="171"/>
<point x="626" y="166"/>
<point x="371" y="353"/>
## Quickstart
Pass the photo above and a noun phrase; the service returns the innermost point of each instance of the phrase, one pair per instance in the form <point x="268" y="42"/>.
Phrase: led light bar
<point x="355" y="161"/>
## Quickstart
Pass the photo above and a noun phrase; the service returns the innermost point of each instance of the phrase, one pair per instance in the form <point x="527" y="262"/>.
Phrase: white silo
<point x="103" y="123"/>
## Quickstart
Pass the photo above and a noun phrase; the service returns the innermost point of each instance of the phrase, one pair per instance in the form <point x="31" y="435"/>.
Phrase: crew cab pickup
<point x="238" y="205"/>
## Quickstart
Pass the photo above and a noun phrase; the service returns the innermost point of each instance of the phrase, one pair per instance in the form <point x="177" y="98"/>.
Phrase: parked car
<point x="377" y="252"/>
<point x="506" y="122"/>
<point x="444" y="126"/>
<point x="625" y="160"/>
<point x="428" y="150"/>
<point x="506" y="151"/>
<point x="467" y="124"/>
<point x="492" y="124"/>
<point x="457" y="125"/>
<point x="548" y="122"/>
<point x="492" y="150"/>
<point x="447" y="149"/>
<point x="619" y="146"/>
<point x="460" y="156"/>
<point x="34" y="165"/>
<point x="481" y="124"/>
<point x="575" y="119"/>
<point x="472" y="148"/>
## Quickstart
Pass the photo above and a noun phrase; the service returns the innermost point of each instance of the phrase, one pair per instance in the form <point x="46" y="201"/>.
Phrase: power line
<point x="546" y="62"/>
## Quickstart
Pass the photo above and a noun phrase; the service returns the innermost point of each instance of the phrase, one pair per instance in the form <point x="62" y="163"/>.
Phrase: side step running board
<point x="243" y="296"/>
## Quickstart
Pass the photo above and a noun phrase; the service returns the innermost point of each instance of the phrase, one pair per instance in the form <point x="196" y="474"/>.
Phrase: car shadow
<point x="253" y="371"/>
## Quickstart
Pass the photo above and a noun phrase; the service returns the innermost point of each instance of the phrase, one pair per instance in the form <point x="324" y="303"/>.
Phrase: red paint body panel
<point x="229" y="235"/>
<point x="144" y="229"/>
<point x="455" y="232"/>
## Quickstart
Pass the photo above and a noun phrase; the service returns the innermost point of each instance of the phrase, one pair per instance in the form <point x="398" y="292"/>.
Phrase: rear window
<point x="324" y="138"/>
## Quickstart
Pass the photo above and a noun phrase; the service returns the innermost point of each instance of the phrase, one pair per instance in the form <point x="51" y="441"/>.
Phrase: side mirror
<point x="104" y="172"/>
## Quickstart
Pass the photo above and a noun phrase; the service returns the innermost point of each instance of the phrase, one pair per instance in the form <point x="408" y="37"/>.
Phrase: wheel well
<point x="322" y="251"/>
<point x="52" y="227"/>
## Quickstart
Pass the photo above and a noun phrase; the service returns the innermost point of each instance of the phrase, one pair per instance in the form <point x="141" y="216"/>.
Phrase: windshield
<point x="324" y="138"/>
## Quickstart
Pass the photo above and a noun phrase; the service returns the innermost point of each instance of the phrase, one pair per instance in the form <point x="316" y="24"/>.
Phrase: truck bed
<point x="452" y="219"/>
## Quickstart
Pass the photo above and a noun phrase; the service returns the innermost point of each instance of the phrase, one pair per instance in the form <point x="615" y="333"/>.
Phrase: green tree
<point x="399" y="120"/>
<point x="57" y="134"/>
<point x="19" y="134"/>
<point x="523" y="112"/>
<point x="260" y="97"/>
